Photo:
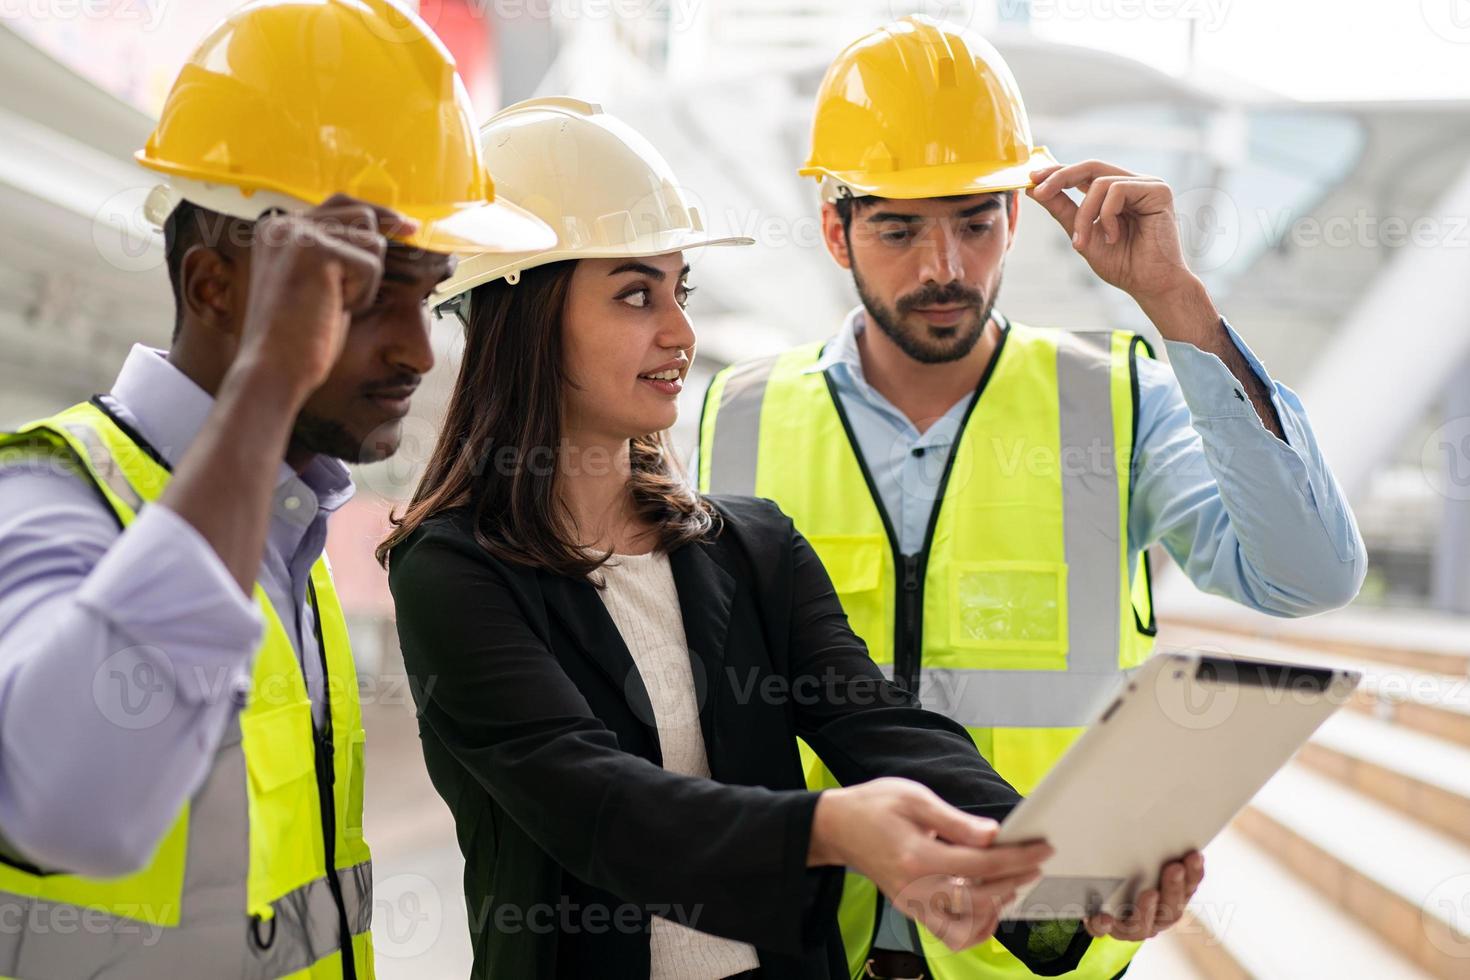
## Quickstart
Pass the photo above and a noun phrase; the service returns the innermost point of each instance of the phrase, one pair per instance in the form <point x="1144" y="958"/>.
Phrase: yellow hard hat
<point x="288" y="102"/>
<point x="921" y="109"/>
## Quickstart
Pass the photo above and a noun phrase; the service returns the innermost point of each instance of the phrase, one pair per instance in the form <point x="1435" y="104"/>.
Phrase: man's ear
<point x="834" y="236"/>
<point x="209" y="290"/>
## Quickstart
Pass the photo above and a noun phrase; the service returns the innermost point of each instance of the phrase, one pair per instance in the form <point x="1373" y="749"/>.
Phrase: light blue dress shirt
<point x="1246" y="515"/>
<point x="123" y="654"/>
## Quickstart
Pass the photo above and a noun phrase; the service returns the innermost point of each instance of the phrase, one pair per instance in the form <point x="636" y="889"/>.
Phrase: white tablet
<point x="1188" y="741"/>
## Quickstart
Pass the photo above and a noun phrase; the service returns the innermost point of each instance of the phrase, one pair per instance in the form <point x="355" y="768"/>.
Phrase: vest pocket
<point x="278" y="745"/>
<point x="1018" y="607"/>
<point x="285" y="826"/>
<point x="356" y="754"/>
<point x="854" y="562"/>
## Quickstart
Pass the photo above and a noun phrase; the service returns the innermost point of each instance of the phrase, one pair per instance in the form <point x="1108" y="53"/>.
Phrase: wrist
<point x="1182" y="311"/>
<point x="263" y="385"/>
<point x="825" y="847"/>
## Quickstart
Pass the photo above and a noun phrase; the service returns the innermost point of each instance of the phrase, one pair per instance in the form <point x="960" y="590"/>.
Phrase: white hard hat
<point x="601" y="186"/>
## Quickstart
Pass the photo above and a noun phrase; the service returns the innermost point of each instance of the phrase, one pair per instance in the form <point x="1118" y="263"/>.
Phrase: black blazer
<point x="538" y="732"/>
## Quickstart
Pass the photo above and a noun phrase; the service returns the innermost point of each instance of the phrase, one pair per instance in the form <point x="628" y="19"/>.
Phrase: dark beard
<point x="324" y="437"/>
<point x="923" y="349"/>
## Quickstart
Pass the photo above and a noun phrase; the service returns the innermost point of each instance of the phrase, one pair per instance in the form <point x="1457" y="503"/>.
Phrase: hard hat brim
<point x="496" y="227"/>
<point x="475" y="270"/>
<point x="949" y="180"/>
<point x="484" y="226"/>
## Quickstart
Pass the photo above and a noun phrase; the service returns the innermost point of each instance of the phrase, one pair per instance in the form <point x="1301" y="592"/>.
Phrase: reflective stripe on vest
<point x="237" y="887"/>
<point x="1028" y="618"/>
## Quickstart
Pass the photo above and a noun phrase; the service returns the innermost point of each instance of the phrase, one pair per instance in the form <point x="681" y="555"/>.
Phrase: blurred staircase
<point x="1354" y="861"/>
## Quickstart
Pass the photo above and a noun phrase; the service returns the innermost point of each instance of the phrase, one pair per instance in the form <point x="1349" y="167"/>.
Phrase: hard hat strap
<point x="834" y="190"/>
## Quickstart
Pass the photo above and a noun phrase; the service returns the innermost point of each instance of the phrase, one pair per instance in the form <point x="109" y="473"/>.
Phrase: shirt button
<point x="292" y="503"/>
<point x="917" y="451"/>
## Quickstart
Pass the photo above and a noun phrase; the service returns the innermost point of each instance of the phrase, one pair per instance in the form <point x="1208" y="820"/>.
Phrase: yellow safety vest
<point x="238" y="887"/>
<point x="1019" y="615"/>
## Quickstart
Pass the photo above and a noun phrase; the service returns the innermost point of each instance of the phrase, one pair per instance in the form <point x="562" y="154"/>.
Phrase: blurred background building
<point x="1320" y="156"/>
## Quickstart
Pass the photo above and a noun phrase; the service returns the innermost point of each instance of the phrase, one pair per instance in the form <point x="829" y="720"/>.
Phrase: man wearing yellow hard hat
<point x="981" y="491"/>
<point x="181" y="766"/>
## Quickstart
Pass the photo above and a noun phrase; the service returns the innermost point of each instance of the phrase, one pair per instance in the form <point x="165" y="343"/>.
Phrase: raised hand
<point x="1124" y="228"/>
<point x="309" y="273"/>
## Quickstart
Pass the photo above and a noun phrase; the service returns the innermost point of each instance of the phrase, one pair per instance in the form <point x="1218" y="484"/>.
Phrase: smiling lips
<point x="668" y="379"/>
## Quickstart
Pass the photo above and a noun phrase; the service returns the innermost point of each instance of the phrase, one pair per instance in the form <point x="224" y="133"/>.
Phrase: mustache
<point x="397" y="381"/>
<point x="952" y="293"/>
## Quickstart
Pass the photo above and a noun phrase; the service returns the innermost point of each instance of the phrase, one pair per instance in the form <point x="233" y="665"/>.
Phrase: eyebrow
<point x="882" y="217"/>
<point x="657" y="275"/>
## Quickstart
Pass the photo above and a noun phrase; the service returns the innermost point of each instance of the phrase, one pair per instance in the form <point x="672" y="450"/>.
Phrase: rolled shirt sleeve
<point x="1247" y="516"/>
<point x="123" y="654"/>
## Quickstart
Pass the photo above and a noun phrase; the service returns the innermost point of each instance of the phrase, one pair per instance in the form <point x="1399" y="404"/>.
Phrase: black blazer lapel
<point x="581" y="611"/>
<point x="706" y="595"/>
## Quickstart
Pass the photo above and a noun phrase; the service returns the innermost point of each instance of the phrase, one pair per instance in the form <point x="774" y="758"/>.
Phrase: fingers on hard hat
<point x="1059" y="206"/>
<point x="391" y="223"/>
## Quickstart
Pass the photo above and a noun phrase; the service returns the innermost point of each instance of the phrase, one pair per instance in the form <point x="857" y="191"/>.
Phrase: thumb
<point x="956" y="826"/>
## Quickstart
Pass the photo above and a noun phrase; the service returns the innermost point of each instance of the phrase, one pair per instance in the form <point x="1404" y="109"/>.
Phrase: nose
<point x="675" y="330"/>
<point x="942" y="261"/>
<point x="411" y="347"/>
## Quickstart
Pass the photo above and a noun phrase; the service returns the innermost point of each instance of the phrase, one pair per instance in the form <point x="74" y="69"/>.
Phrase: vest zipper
<point x="909" y="623"/>
<point x="908" y="612"/>
<point x="325" y="780"/>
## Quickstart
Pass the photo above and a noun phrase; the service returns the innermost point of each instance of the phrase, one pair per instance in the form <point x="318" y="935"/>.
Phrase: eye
<point x="980" y="228"/>
<point x="640" y="295"/>
<point x="681" y="295"/>
<point x="894" y="236"/>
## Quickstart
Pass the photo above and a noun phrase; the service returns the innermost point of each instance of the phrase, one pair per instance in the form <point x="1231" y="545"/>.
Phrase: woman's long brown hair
<point x="498" y="450"/>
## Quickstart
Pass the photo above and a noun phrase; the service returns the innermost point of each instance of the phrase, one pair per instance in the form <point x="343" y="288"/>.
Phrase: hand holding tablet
<point x="1187" y="742"/>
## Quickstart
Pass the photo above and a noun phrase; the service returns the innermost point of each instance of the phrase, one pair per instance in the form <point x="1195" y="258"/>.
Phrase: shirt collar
<point x="169" y="410"/>
<point x="842" y="350"/>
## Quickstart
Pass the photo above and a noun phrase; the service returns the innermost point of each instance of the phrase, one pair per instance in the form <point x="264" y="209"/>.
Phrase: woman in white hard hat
<point x="612" y="670"/>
